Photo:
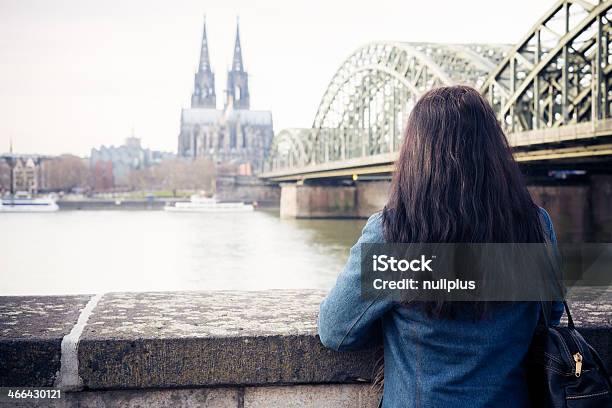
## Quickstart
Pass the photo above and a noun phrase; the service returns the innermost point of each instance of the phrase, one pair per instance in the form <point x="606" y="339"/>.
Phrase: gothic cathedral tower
<point x="204" y="81"/>
<point x="236" y="136"/>
<point x="237" y="79"/>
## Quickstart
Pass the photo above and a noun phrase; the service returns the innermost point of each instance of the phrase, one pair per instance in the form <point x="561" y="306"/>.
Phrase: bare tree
<point x="64" y="173"/>
<point x="175" y="174"/>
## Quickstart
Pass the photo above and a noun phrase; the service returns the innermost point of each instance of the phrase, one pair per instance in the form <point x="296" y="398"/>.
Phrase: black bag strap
<point x="545" y="310"/>
<point x="570" y="321"/>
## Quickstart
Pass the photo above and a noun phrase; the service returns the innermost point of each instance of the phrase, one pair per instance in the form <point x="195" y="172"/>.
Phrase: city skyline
<point x="77" y="75"/>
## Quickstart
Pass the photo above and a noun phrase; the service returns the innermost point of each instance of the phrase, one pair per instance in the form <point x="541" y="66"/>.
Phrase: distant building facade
<point x="112" y="165"/>
<point x="233" y="135"/>
<point x="27" y="176"/>
<point x="33" y="173"/>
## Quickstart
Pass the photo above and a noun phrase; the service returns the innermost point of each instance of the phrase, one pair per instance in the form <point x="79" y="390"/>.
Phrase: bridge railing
<point x="579" y="140"/>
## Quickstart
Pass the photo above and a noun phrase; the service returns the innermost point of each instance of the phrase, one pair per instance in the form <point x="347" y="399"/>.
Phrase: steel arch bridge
<point x="551" y="91"/>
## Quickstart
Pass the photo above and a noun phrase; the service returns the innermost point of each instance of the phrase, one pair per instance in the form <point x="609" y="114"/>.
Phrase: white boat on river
<point x="205" y="204"/>
<point x="27" y="204"/>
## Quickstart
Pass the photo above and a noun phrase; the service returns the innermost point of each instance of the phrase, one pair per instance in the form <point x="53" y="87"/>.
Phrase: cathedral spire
<point x="204" y="58"/>
<point x="204" y="81"/>
<point x="237" y="60"/>
<point x="237" y="79"/>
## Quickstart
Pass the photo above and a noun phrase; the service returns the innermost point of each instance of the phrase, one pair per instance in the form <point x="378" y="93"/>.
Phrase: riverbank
<point x="134" y="204"/>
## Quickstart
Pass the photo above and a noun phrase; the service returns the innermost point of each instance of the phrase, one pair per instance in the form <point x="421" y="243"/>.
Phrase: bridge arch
<point x="367" y="102"/>
<point x="558" y="75"/>
<point x="290" y="148"/>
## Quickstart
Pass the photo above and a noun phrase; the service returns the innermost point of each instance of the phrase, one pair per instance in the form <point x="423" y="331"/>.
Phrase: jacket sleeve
<point x="557" y="308"/>
<point x="346" y="321"/>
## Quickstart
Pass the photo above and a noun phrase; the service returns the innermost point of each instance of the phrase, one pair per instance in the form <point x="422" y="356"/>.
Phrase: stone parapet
<point x="205" y="349"/>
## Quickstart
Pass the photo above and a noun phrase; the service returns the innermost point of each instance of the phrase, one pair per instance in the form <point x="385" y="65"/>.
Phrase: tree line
<point x="68" y="173"/>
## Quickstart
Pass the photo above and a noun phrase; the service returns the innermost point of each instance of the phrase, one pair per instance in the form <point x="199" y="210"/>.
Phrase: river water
<point x="71" y="252"/>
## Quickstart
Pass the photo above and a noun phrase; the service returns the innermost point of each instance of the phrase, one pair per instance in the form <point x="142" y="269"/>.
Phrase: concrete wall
<point x="197" y="349"/>
<point x="333" y="201"/>
<point x="318" y="201"/>
<point x="296" y="396"/>
<point x="371" y="197"/>
<point x="288" y="200"/>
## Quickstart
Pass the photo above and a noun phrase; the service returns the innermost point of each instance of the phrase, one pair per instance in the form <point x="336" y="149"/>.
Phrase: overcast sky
<point x="76" y="74"/>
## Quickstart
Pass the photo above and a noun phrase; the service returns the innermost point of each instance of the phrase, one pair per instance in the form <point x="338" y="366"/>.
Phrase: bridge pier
<point x="336" y="200"/>
<point x="317" y="201"/>
<point x="247" y="189"/>
<point x="580" y="210"/>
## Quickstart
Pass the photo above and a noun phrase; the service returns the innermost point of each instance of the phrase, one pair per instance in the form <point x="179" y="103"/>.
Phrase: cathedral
<point x="232" y="135"/>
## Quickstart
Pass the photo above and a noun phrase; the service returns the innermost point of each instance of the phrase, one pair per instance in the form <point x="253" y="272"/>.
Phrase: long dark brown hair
<point x="456" y="181"/>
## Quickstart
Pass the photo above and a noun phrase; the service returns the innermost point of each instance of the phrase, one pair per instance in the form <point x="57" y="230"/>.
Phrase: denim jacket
<point x="434" y="362"/>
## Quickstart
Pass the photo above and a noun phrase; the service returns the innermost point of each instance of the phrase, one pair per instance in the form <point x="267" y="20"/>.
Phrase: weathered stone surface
<point x="312" y="396"/>
<point x="596" y="311"/>
<point x="208" y="314"/>
<point x="31" y="332"/>
<point x="184" y="398"/>
<point x="148" y="340"/>
<point x="39" y="317"/>
<point x="194" y="339"/>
